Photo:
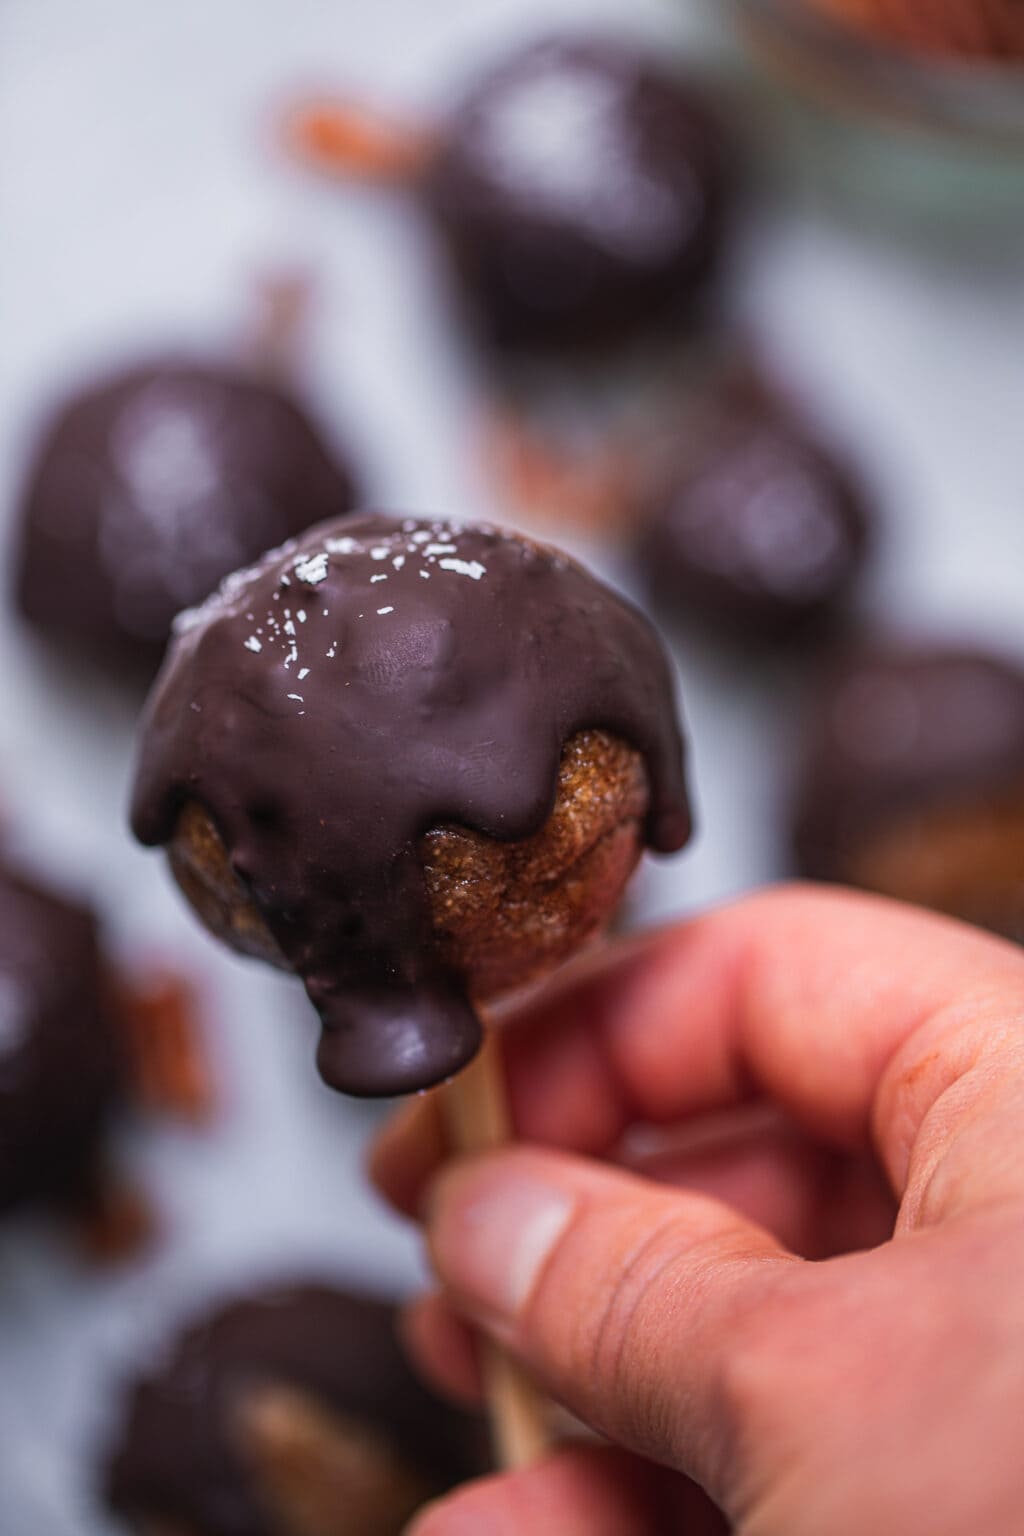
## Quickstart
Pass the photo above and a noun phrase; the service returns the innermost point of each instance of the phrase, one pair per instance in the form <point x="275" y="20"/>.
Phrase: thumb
<point x="629" y="1301"/>
<point x="579" y="1490"/>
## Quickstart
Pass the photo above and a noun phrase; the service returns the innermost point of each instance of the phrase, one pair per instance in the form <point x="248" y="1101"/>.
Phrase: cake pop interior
<point x="502" y="913"/>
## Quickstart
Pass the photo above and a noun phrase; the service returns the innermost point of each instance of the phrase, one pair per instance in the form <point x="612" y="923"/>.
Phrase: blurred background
<point x="150" y="203"/>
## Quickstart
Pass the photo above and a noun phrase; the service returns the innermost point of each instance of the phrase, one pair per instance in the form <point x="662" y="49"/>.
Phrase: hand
<point x="827" y="1075"/>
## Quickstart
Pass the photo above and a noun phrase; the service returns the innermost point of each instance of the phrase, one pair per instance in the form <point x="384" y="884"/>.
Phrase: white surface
<point x="139" y="195"/>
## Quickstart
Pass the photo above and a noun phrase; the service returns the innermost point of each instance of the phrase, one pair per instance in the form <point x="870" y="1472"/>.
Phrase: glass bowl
<point x="939" y="133"/>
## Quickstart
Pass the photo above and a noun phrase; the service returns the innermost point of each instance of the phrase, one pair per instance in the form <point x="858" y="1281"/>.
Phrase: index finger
<point x="850" y="1012"/>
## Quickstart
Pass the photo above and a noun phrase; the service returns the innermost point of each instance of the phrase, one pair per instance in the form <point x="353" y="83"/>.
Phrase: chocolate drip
<point x="151" y="486"/>
<point x="59" y="1067"/>
<point x="177" y="1457"/>
<point x="376" y="679"/>
<point x="897" y="731"/>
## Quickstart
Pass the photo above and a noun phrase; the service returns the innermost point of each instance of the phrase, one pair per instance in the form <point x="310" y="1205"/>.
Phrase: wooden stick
<point x="476" y="1112"/>
<point x="348" y="139"/>
<point x="283" y="304"/>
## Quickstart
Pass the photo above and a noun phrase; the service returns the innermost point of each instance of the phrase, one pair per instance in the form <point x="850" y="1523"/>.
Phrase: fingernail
<point x="492" y="1229"/>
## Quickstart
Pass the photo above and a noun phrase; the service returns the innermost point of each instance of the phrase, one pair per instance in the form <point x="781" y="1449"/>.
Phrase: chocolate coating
<point x="758" y="530"/>
<point x="59" y="1058"/>
<point x="181" y="1455"/>
<point x="912" y="781"/>
<point x="149" y="487"/>
<point x="581" y="192"/>
<point x="377" y="680"/>
<point x="500" y="913"/>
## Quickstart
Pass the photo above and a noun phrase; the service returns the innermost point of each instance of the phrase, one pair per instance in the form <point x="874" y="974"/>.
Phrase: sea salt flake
<point x="298" y="697"/>
<point x="252" y="644"/>
<point x="314" y="570"/>
<point x="397" y="562"/>
<point x="386" y="610"/>
<point x="187" y="619"/>
<point x="303" y="672"/>
<point x="471" y="568"/>
<point x="381" y="577"/>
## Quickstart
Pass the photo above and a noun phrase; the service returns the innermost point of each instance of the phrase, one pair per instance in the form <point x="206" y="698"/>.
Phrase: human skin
<point x="806" y="1296"/>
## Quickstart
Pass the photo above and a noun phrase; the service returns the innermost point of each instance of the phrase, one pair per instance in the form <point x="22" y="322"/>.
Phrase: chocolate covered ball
<point x="150" y="486"/>
<point x="414" y="763"/>
<point x="757" y="529"/>
<point x="60" y="1066"/>
<point x="912" y="782"/>
<point x="286" y="1412"/>
<point x="582" y="193"/>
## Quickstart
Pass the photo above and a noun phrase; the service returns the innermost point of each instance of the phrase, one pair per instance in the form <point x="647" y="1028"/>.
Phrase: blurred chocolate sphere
<point x="756" y="529"/>
<point x="60" y="1074"/>
<point x="582" y="192"/>
<point x="912" y="781"/>
<point x="286" y="1412"/>
<point x="150" y="486"/>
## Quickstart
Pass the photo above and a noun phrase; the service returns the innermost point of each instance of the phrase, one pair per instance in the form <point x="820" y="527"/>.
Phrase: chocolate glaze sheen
<point x="376" y="679"/>
<point x="59" y="1060"/>
<point x="176" y="1457"/>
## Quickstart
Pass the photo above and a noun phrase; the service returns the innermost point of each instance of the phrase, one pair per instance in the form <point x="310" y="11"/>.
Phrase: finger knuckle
<point x="630" y="1326"/>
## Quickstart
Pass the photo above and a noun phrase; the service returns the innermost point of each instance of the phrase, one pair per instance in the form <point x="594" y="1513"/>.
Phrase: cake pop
<point x="149" y="486"/>
<point x="581" y="191"/>
<point x="61" y="1064"/>
<point x="414" y="763"/>
<point x="912" y="781"/>
<point x="81" y="1043"/>
<point x="756" y="529"/>
<point x="288" y="1411"/>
